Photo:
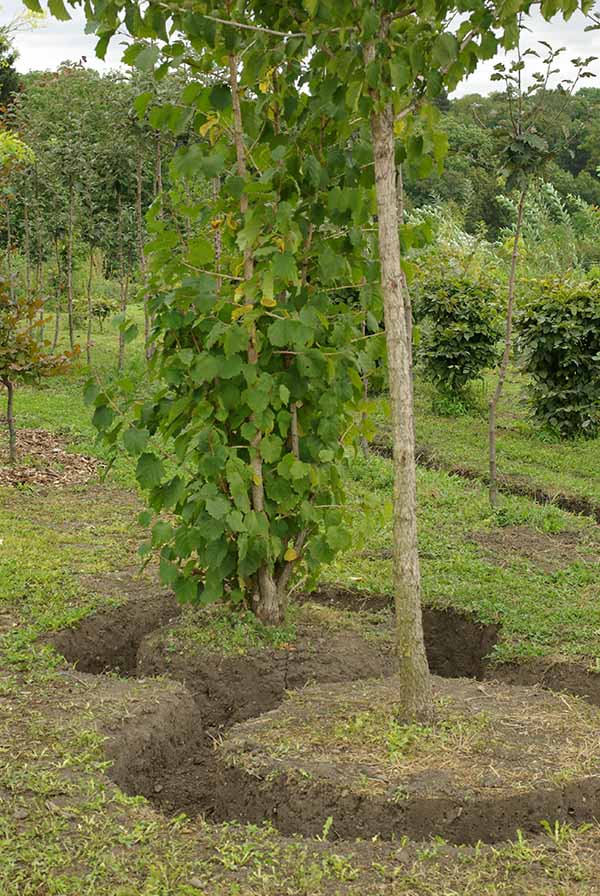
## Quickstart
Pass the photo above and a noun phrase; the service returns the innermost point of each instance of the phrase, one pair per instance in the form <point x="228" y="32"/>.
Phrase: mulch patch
<point x="43" y="460"/>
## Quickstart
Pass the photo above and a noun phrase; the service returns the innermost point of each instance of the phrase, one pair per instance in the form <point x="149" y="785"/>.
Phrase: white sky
<point x="54" y="42"/>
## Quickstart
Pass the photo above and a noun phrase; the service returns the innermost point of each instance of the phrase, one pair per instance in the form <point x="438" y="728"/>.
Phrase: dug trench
<point x="180" y="764"/>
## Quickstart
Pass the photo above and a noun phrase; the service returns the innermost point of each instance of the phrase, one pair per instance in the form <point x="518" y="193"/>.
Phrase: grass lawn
<point x="524" y="451"/>
<point x="66" y="830"/>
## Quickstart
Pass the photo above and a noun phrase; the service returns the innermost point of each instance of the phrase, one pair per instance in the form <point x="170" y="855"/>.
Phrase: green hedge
<point x="559" y="342"/>
<point x="459" y="331"/>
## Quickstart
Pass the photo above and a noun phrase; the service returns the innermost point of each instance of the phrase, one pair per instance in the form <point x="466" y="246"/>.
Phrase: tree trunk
<point x="139" y="217"/>
<point x="88" y="339"/>
<point x="9" y="270"/>
<point x="122" y="283"/>
<point x="267" y="601"/>
<point x="415" y="681"/>
<point x="70" y="268"/>
<point x="58" y="295"/>
<point x="39" y="253"/>
<point x="493" y="466"/>
<point x="10" y="419"/>
<point x="27" y="250"/>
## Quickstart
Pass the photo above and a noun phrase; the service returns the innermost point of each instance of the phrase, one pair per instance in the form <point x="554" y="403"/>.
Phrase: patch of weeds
<point x="228" y="631"/>
<point x="447" y="404"/>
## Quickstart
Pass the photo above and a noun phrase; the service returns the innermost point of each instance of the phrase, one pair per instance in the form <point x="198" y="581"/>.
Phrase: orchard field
<point x="299" y="468"/>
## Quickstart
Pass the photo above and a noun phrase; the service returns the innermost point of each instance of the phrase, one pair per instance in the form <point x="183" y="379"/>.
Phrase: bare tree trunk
<point x="10" y="419"/>
<point x="27" y="250"/>
<point x="122" y="282"/>
<point x="493" y="466"/>
<point x="415" y="681"/>
<point x="407" y="299"/>
<point x="88" y="338"/>
<point x="70" y="268"/>
<point x="139" y="216"/>
<point x="364" y="445"/>
<point x="58" y="295"/>
<point x="11" y="285"/>
<point x="266" y="600"/>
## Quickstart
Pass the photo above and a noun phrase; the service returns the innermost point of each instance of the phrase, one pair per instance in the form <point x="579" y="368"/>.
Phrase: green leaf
<point x="103" y="418"/>
<point x="168" y="572"/>
<point x="218" y="507"/>
<point x="135" y="440"/>
<point x="445" y="49"/>
<point x="147" y="58"/>
<point x="58" y="9"/>
<point x="90" y="392"/>
<point x="149" y="470"/>
<point x="231" y="367"/>
<point x="186" y="590"/>
<point x="162" y="532"/>
<point x="220" y="97"/>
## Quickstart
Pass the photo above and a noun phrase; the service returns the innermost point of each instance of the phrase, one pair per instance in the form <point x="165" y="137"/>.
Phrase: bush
<point x="459" y="334"/>
<point x="559" y="341"/>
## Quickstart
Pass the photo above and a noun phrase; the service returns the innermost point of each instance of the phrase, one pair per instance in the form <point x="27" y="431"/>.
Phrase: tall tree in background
<point x="9" y="77"/>
<point x="523" y="156"/>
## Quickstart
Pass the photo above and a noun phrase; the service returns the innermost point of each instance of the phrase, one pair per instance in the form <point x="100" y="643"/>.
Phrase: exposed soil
<point x="571" y="677"/>
<point x="505" y="758"/>
<point x="550" y="553"/>
<point x="457" y="643"/>
<point x="169" y="749"/>
<point x="109" y="639"/>
<point x="43" y="460"/>
<point x="229" y="688"/>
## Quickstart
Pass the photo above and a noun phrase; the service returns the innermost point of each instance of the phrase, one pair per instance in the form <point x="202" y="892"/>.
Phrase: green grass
<point x="65" y="830"/>
<point x="541" y="613"/>
<point x="524" y="451"/>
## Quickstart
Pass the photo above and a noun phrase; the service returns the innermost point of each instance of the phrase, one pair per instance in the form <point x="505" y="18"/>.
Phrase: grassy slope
<point x="542" y="612"/>
<point x="64" y="830"/>
<point x="571" y="468"/>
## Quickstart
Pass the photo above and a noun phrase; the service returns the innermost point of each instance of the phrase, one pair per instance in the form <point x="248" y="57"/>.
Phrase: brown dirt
<point x="43" y="460"/>
<point x="109" y="639"/>
<point x="570" y="677"/>
<point x="457" y="643"/>
<point x="550" y="553"/>
<point x="508" y="758"/>
<point x="170" y="756"/>
<point x="230" y="688"/>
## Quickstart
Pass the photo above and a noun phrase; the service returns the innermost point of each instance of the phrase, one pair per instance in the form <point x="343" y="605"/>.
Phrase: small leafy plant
<point x="559" y="341"/>
<point x="459" y="334"/>
<point x="23" y="354"/>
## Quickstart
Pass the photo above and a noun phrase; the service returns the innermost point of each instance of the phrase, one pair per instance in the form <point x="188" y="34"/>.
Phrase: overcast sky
<point x="54" y="42"/>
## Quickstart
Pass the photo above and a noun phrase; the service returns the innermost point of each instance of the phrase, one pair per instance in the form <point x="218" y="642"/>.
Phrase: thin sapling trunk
<point x="70" y="267"/>
<point x="493" y="466"/>
<point x="58" y="295"/>
<point x="88" y="339"/>
<point x="139" y="217"/>
<point x="10" y="419"/>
